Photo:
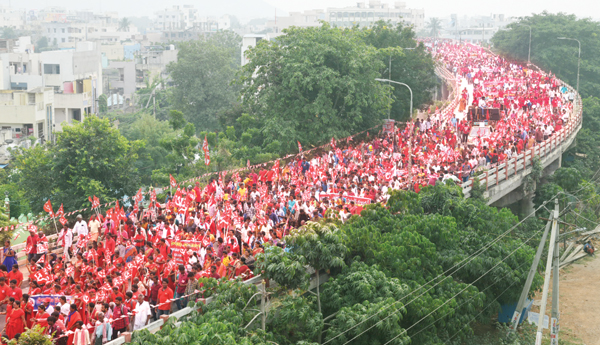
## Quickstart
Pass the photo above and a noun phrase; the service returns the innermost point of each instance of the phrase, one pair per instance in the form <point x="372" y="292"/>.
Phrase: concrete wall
<point x="130" y="50"/>
<point x="112" y="51"/>
<point x="128" y="84"/>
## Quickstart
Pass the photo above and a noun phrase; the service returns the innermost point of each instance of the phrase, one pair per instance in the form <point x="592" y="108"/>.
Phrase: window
<point x="49" y="30"/>
<point x="31" y="98"/>
<point x="54" y="30"/>
<point x="63" y="30"/>
<point x="52" y="68"/>
<point x="63" y="40"/>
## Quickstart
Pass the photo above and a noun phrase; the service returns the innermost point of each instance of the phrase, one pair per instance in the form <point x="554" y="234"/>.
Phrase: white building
<point x="474" y="28"/>
<point x="12" y="18"/>
<point x="73" y="76"/>
<point x="183" y="23"/>
<point x="26" y="113"/>
<point x="362" y="14"/>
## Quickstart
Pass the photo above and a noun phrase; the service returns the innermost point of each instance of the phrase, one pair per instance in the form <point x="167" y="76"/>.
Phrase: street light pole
<point x="390" y="76"/>
<point x="409" y="142"/>
<point x="529" y="54"/>
<point x="578" y="59"/>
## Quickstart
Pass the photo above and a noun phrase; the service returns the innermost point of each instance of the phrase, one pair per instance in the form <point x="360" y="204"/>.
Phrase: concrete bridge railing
<point x="507" y="176"/>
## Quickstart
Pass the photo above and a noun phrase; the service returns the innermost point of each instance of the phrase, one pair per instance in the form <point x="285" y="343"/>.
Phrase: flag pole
<point x="55" y="226"/>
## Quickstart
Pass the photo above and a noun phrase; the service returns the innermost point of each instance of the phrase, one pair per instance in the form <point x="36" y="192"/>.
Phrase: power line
<point x="470" y="299"/>
<point x="469" y="258"/>
<point x="450" y="299"/>
<point x="481" y="312"/>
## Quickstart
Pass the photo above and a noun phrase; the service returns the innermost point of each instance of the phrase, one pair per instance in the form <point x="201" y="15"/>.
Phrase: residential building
<point x="183" y="23"/>
<point x="74" y="77"/>
<point x="474" y="28"/>
<point x="362" y="15"/>
<point x="126" y="77"/>
<point x="12" y="18"/>
<point x="27" y="113"/>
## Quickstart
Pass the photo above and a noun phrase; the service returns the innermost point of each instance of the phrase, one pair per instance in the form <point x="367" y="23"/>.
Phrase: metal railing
<point x="521" y="165"/>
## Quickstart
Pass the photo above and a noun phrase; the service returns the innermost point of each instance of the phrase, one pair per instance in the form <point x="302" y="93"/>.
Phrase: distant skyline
<point x="246" y="9"/>
<point x="442" y="8"/>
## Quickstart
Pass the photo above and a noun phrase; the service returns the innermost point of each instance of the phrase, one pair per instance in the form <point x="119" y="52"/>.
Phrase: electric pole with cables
<point x="552" y="266"/>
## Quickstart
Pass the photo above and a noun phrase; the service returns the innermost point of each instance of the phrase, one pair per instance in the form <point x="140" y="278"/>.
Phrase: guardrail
<point x="521" y="164"/>
<point x="156" y="326"/>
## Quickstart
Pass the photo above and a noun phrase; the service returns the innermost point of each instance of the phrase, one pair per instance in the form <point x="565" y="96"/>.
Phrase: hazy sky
<point x="266" y="8"/>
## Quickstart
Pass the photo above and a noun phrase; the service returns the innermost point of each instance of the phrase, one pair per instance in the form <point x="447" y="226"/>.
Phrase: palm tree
<point x="434" y="26"/>
<point x="124" y="24"/>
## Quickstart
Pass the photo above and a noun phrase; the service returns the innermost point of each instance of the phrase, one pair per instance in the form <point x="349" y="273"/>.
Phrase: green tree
<point x="282" y="267"/>
<point x="124" y="24"/>
<point x="42" y="44"/>
<point x="152" y="155"/>
<point x="176" y="119"/>
<point x="414" y="66"/>
<point x="312" y="84"/>
<point x="202" y="78"/>
<point x="321" y="248"/>
<point x="33" y="336"/>
<point x="434" y="26"/>
<point x="89" y="158"/>
<point x="9" y="33"/>
<point x="102" y="104"/>
<point x="551" y="54"/>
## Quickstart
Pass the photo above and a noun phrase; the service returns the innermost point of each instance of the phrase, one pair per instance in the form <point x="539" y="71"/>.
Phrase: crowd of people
<point x="121" y="269"/>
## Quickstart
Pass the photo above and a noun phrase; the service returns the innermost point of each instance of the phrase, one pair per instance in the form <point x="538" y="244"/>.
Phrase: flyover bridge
<point x="505" y="183"/>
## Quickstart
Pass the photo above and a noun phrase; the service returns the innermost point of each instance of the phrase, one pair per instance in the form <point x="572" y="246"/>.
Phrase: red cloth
<point x="15" y="323"/>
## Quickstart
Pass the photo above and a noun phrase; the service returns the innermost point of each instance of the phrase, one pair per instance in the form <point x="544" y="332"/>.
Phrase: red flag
<point x="48" y="208"/>
<point x="206" y="158"/>
<point x="138" y="196"/>
<point x="248" y="163"/>
<point x="299" y="147"/>
<point x="205" y="145"/>
<point x="153" y="196"/>
<point x="42" y="276"/>
<point x="101" y="274"/>
<point x="60" y="211"/>
<point x="41" y="261"/>
<point x="70" y="270"/>
<point x="96" y="202"/>
<point x="172" y="181"/>
<point x="332" y="142"/>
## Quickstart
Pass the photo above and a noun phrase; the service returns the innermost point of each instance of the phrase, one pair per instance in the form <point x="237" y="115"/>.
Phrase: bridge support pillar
<point x="526" y="204"/>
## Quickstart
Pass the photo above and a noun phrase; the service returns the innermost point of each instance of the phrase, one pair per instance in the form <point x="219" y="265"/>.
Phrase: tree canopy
<point x="202" y="77"/>
<point x="550" y="53"/>
<point x="89" y="158"/>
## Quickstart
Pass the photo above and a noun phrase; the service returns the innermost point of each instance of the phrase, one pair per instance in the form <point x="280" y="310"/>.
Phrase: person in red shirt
<point x="110" y="244"/>
<point x="72" y="319"/>
<point x="139" y="241"/>
<point x="165" y="295"/>
<point x="16" y="275"/>
<point x="15" y="291"/>
<point x="115" y="293"/>
<point x="32" y="241"/>
<point x="4" y="293"/>
<point x="41" y="317"/>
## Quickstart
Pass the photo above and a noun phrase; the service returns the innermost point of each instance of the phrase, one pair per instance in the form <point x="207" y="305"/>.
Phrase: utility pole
<point x="262" y="305"/>
<point x="554" y="321"/>
<point x="551" y="248"/>
<point x="532" y="271"/>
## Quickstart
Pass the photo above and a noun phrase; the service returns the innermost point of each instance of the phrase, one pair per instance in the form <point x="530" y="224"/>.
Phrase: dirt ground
<point x="579" y="303"/>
